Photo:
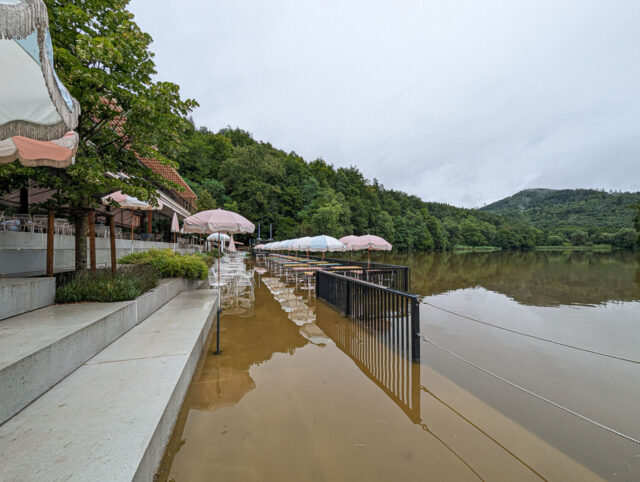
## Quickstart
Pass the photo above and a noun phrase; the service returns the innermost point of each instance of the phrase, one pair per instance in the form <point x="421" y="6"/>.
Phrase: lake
<point x="529" y="370"/>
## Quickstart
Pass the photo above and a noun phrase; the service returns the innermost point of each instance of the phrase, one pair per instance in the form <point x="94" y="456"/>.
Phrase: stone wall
<point x="25" y="254"/>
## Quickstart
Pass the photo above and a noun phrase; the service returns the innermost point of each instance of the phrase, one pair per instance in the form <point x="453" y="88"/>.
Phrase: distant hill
<point x="589" y="210"/>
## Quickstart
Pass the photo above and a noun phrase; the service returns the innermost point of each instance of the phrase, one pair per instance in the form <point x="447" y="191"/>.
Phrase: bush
<point x="103" y="285"/>
<point x="169" y="264"/>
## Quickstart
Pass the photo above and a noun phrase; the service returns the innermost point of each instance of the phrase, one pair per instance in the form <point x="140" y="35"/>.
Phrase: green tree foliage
<point x="269" y="185"/>
<point x="563" y="212"/>
<point x="205" y="201"/>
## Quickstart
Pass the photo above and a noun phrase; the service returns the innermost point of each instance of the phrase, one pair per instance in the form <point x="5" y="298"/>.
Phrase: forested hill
<point x="569" y="208"/>
<point x="567" y="211"/>
<point x="230" y="169"/>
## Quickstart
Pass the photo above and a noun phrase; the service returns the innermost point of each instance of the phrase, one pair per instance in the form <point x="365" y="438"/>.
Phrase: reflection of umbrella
<point x="35" y="103"/>
<point x="129" y="202"/>
<point x="218" y="221"/>
<point x="326" y="243"/>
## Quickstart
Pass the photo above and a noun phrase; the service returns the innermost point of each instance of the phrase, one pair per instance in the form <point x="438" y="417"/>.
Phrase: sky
<point x="456" y="101"/>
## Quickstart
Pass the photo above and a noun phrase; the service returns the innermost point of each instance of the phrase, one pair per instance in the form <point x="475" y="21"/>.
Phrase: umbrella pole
<point x="132" y="229"/>
<point x="369" y="256"/>
<point x="218" y="259"/>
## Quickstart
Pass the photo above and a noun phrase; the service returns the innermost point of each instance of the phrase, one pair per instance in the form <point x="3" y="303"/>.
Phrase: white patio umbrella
<point x="302" y="244"/>
<point x="218" y="221"/>
<point x="325" y="243"/>
<point x="218" y="237"/>
<point x="37" y="111"/>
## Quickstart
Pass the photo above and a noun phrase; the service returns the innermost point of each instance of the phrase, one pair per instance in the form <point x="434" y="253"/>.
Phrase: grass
<point x="102" y="285"/>
<point x="475" y="249"/>
<point x="601" y="248"/>
<point x="169" y="264"/>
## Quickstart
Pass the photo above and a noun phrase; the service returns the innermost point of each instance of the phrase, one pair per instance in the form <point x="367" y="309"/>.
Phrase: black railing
<point x="392" y="276"/>
<point x="391" y="314"/>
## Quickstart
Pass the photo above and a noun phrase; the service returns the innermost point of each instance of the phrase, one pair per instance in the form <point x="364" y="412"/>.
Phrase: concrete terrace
<point x="91" y="391"/>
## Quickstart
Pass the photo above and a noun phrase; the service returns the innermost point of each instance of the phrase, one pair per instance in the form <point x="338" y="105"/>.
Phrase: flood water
<point x="529" y="370"/>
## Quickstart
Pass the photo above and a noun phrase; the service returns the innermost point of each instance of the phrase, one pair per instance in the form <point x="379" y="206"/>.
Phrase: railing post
<point x="415" y="330"/>
<point x="347" y="307"/>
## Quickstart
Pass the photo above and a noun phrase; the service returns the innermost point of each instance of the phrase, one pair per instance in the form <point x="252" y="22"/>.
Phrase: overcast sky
<point x="459" y="101"/>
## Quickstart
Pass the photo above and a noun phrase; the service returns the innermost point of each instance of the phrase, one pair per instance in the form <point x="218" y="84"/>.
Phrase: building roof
<point x="170" y="174"/>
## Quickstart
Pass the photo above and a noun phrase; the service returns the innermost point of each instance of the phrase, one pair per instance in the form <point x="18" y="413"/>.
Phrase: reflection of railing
<point x="392" y="314"/>
<point x="379" y="352"/>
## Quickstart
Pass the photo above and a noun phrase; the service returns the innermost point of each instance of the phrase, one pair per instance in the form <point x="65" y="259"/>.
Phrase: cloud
<point x="456" y="101"/>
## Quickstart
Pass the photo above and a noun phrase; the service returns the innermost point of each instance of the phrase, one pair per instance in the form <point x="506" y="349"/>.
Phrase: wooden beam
<point x="50" y="238"/>
<point x="112" y="240"/>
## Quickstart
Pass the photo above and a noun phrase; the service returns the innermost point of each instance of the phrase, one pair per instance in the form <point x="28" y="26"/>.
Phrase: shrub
<point x="103" y="285"/>
<point x="169" y="264"/>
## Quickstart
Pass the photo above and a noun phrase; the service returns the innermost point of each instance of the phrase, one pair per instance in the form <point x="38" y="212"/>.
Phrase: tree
<point x="103" y="58"/>
<point x="636" y="221"/>
<point x="625" y="238"/>
<point x="579" y="238"/>
<point x="205" y="201"/>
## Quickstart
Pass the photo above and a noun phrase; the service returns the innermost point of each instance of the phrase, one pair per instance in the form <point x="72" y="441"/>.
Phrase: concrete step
<point x="40" y="348"/>
<point x="20" y="295"/>
<point x="112" y="418"/>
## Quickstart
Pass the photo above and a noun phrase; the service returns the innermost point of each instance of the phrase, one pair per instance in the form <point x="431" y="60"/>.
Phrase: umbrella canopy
<point x="259" y="246"/>
<point x="325" y="243"/>
<point x="301" y="244"/>
<point x="58" y="153"/>
<point x="218" y="237"/>
<point x="218" y="220"/>
<point x="369" y="241"/>
<point x="348" y="240"/>
<point x="129" y="202"/>
<point x="37" y="105"/>
<point x="175" y="226"/>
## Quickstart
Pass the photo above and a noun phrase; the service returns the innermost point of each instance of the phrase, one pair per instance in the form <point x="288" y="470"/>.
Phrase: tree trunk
<point x="24" y="199"/>
<point x="80" y="222"/>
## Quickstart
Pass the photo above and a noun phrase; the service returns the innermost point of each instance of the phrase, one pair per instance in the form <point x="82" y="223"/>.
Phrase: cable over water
<point x="555" y="342"/>
<point x="539" y="397"/>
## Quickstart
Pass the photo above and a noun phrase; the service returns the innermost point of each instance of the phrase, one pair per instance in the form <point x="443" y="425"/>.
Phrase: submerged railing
<point x="391" y="315"/>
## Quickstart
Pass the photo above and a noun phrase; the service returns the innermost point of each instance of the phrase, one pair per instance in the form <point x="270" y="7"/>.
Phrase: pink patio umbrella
<point x="218" y="221"/>
<point x="129" y="202"/>
<point x="347" y="240"/>
<point x="175" y="226"/>
<point x="232" y="245"/>
<point x="369" y="242"/>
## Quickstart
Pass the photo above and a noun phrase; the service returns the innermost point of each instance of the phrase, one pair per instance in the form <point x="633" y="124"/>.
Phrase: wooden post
<point x="112" y="239"/>
<point x="149" y="221"/>
<point x="50" y="238"/>
<point x="91" y="221"/>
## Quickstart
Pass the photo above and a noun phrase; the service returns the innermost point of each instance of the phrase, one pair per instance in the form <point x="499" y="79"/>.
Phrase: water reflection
<point x="531" y="277"/>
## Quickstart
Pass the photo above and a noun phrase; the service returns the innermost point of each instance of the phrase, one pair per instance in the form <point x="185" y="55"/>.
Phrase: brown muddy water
<point x="529" y="370"/>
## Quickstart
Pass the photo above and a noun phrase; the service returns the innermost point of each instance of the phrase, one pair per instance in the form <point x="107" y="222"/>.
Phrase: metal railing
<point x="392" y="276"/>
<point x="391" y="314"/>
